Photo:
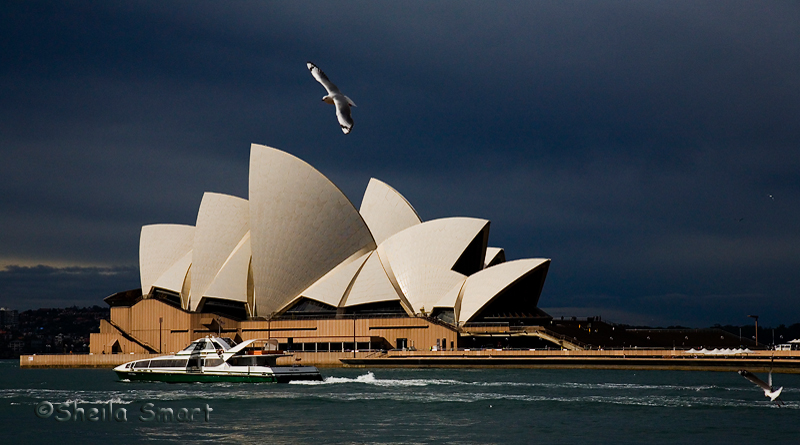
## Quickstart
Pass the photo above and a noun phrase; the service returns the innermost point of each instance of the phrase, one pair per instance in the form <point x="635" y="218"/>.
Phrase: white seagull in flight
<point x="769" y="390"/>
<point x="334" y="97"/>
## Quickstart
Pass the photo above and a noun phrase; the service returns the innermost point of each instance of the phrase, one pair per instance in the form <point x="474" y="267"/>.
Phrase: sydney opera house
<point x="297" y="261"/>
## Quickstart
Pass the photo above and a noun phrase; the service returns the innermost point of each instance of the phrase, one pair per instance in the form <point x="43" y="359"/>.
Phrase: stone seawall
<point x="779" y="361"/>
<point x="78" y="360"/>
<point x="650" y="359"/>
<point x="321" y="359"/>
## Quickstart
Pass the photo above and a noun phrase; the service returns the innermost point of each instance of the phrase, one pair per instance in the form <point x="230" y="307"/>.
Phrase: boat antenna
<point x="220" y="323"/>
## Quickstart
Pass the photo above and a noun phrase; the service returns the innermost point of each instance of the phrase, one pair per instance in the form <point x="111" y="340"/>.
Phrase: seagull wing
<point x="343" y="113"/>
<point x="758" y="382"/>
<point x="323" y="79"/>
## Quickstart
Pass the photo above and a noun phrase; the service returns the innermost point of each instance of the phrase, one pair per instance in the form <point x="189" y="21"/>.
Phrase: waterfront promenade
<point x="656" y="359"/>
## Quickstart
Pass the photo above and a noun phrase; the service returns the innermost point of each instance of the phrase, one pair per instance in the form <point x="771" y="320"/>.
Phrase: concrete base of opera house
<point x="652" y="359"/>
<point x="636" y="359"/>
<point x="321" y="359"/>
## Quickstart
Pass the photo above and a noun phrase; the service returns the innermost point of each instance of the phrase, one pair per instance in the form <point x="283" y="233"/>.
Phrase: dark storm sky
<point x="650" y="149"/>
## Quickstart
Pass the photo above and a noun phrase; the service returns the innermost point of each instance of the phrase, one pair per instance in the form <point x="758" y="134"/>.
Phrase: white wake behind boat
<point x="217" y="359"/>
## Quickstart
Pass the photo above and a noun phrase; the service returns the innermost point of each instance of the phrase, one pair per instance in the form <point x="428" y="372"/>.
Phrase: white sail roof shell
<point x="494" y="255"/>
<point x="160" y="246"/>
<point x="302" y="227"/>
<point x="451" y="298"/>
<point x="386" y="211"/>
<point x="420" y="259"/>
<point x="230" y="283"/>
<point x="480" y="288"/>
<point x="173" y="279"/>
<point x="331" y="288"/>
<point x="222" y="222"/>
<point x="298" y="235"/>
<point x="371" y="285"/>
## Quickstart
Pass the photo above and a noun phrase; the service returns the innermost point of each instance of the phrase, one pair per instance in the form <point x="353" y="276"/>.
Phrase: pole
<point x="354" y="336"/>
<point x="755" y="317"/>
<point x="160" y="321"/>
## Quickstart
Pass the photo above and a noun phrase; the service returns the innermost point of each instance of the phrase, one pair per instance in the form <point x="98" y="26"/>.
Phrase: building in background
<point x="9" y="318"/>
<point x="298" y="262"/>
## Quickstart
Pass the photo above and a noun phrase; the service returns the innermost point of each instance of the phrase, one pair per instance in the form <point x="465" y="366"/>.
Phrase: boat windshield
<point x="206" y="344"/>
<point x="227" y="342"/>
<point x="195" y="346"/>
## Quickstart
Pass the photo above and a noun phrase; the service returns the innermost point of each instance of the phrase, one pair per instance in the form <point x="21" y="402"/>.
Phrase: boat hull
<point x="171" y="377"/>
<point x="174" y="377"/>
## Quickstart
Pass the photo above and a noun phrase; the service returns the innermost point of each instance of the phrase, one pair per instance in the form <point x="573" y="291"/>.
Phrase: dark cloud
<point x="635" y="143"/>
<point x="44" y="286"/>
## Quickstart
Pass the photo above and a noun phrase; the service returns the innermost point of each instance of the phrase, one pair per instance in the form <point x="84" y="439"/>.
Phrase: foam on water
<point x="370" y="379"/>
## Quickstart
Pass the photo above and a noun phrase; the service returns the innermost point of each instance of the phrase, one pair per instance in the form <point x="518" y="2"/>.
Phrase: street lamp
<point x="354" y="336"/>
<point x="755" y="317"/>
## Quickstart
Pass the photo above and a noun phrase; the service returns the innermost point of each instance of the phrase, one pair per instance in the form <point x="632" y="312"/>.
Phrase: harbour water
<point x="400" y="406"/>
